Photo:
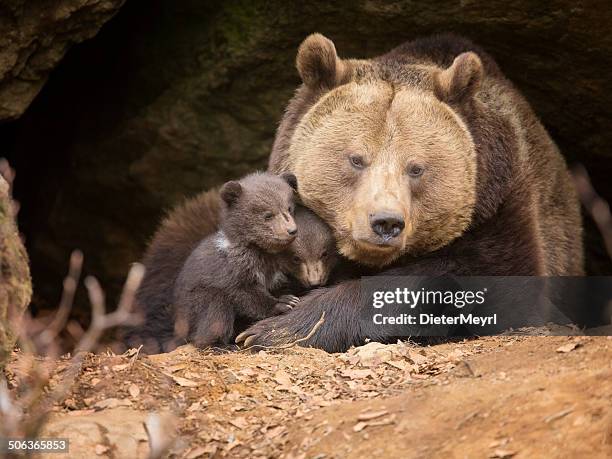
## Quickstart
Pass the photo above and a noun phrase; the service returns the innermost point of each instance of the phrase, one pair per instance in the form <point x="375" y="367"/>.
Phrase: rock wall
<point x="15" y="282"/>
<point x="34" y="36"/>
<point x="177" y="97"/>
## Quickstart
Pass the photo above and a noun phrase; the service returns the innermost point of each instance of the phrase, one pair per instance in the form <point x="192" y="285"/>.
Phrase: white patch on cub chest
<point x="221" y="242"/>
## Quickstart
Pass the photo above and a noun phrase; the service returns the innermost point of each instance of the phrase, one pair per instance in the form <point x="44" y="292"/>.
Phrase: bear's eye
<point x="415" y="171"/>
<point x="268" y="216"/>
<point x="357" y="161"/>
<point x="297" y="259"/>
<point x="291" y="209"/>
<point x="324" y="254"/>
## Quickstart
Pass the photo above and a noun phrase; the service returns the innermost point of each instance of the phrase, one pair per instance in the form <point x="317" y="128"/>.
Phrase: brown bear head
<point x="258" y="211"/>
<point x="381" y="154"/>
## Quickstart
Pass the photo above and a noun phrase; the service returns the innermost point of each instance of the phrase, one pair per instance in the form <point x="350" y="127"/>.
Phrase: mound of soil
<point x="496" y="397"/>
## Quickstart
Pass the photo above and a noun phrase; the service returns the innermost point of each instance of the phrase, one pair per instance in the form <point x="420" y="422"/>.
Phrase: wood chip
<point x="559" y="415"/>
<point x="502" y="453"/>
<point x="371" y="415"/>
<point x="359" y="426"/>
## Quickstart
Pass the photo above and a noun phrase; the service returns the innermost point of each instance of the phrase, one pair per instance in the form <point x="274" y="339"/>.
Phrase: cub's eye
<point x="297" y="259"/>
<point x="357" y="161"/>
<point x="324" y="254"/>
<point x="291" y="209"/>
<point x="415" y="171"/>
<point x="268" y="216"/>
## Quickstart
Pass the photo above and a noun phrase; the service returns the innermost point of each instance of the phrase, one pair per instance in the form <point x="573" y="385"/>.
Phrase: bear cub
<point x="311" y="256"/>
<point x="233" y="274"/>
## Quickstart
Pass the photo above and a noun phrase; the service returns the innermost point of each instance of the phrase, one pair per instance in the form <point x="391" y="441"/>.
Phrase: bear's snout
<point x="387" y="225"/>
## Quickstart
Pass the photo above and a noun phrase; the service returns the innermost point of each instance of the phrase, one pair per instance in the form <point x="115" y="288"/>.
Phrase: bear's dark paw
<point x="271" y="332"/>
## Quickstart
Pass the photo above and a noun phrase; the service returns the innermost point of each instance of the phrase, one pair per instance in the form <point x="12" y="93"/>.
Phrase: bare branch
<point x="27" y="416"/>
<point x="63" y="311"/>
<point x="595" y="205"/>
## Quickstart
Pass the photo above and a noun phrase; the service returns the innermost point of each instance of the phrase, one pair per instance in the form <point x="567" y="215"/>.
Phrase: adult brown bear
<point x="424" y="161"/>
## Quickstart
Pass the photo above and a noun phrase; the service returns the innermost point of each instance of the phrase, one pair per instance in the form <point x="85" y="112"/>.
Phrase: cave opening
<point x="175" y="98"/>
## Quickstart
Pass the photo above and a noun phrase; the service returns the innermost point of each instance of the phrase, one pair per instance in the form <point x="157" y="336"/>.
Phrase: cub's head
<point x="258" y="210"/>
<point x="382" y="155"/>
<point x="312" y="255"/>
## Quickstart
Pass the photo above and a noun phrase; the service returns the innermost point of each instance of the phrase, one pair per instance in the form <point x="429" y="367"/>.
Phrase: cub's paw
<point x="280" y="308"/>
<point x="289" y="300"/>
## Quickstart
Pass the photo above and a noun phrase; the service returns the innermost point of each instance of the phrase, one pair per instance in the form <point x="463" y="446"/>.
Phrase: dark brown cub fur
<point x="230" y="274"/>
<point x="312" y="256"/>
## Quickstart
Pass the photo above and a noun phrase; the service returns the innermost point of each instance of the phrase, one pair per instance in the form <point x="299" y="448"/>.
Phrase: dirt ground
<point x="496" y="397"/>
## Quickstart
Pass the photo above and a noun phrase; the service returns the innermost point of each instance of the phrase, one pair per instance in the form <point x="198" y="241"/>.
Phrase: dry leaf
<point x="282" y="378"/>
<point x="417" y="358"/>
<point x="101" y="449"/>
<point x="183" y="382"/>
<point x="239" y="422"/>
<point x="248" y="372"/>
<point x="569" y="347"/>
<point x="399" y="364"/>
<point x="196" y="452"/>
<point x="111" y="403"/>
<point x="371" y="354"/>
<point x="502" y="453"/>
<point x="120" y="367"/>
<point x="177" y="367"/>
<point x="275" y="432"/>
<point x="194" y="406"/>
<point x="356" y="374"/>
<point x="134" y="390"/>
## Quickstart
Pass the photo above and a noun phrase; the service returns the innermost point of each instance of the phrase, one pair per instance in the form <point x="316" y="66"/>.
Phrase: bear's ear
<point x="291" y="179"/>
<point x="461" y="80"/>
<point x="318" y="63"/>
<point x="230" y="192"/>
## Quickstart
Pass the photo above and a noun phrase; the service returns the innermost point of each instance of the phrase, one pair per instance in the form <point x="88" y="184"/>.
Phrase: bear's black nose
<point x="387" y="225"/>
<point x="292" y="231"/>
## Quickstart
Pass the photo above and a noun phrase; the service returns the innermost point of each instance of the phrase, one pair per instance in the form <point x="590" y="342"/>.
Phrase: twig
<point x="597" y="207"/>
<point x="27" y="418"/>
<point x="310" y="334"/>
<point x="160" y="435"/>
<point x="123" y="315"/>
<point x="219" y="375"/>
<point x="71" y="282"/>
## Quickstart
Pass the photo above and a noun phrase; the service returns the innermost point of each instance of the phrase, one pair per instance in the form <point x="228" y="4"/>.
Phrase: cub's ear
<point x="230" y="192"/>
<point x="461" y="80"/>
<point x="290" y="179"/>
<point x="318" y="63"/>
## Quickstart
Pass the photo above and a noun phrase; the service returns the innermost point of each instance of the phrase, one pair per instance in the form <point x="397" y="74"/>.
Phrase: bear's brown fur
<point x="435" y="139"/>
<point x="425" y="161"/>
<point x="177" y="236"/>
